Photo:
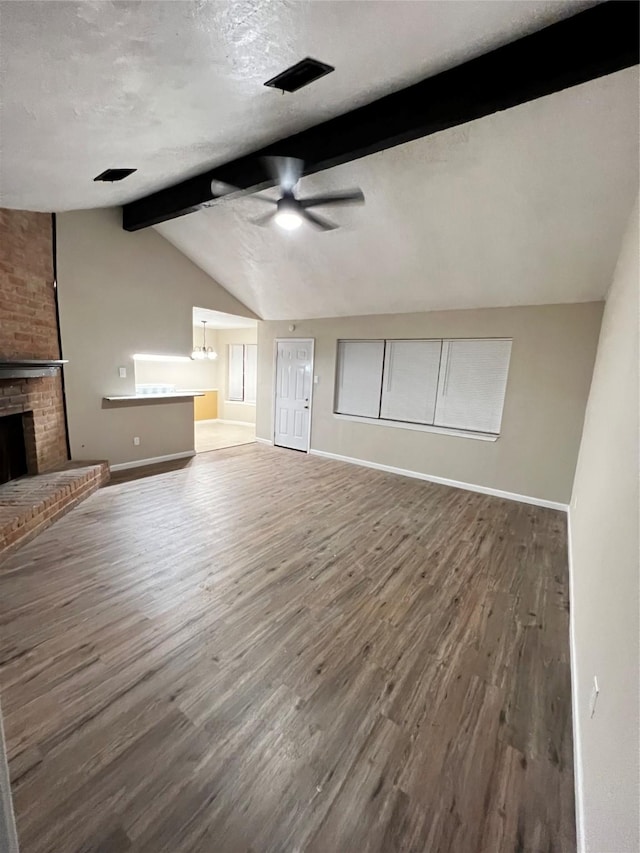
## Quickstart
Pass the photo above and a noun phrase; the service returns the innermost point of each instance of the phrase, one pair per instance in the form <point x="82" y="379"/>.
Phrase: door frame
<point x="274" y="395"/>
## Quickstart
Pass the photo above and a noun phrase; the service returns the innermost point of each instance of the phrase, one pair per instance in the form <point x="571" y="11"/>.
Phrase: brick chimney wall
<point x="29" y="329"/>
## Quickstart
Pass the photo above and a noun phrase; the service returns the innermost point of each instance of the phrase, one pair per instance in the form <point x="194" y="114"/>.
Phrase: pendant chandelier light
<point x="204" y="351"/>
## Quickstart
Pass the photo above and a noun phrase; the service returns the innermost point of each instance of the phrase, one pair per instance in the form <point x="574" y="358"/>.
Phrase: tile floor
<point x="213" y="435"/>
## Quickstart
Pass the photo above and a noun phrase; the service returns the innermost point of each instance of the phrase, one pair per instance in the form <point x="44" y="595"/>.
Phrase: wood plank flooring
<point x="262" y="651"/>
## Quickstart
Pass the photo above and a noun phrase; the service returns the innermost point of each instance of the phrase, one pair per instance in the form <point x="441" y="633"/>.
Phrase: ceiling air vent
<point x="114" y="174"/>
<point x="299" y="75"/>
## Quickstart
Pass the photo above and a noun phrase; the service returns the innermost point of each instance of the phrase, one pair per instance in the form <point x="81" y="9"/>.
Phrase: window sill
<point x="241" y="402"/>
<point x="461" y="433"/>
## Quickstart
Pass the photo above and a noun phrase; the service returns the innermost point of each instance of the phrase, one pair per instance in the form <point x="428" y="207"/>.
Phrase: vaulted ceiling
<point x="520" y="207"/>
<point x="523" y="207"/>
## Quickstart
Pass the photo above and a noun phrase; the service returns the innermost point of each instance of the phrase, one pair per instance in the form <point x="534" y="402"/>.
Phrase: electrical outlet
<point x="136" y="440"/>
<point x="595" y="692"/>
<point x="122" y="372"/>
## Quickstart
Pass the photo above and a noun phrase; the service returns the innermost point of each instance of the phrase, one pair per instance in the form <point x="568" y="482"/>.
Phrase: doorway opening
<point x="219" y="373"/>
<point x="224" y="365"/>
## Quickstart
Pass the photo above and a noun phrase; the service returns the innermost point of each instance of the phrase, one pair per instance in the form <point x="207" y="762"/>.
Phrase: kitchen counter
<point x="140" y="398"/>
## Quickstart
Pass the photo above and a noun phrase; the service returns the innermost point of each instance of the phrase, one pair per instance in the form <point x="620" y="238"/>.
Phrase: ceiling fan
<point x="292" y="211"/>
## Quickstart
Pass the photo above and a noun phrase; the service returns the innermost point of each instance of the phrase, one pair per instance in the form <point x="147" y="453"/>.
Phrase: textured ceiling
<point x="172" y="88"/>
<point x="526" y="206"/>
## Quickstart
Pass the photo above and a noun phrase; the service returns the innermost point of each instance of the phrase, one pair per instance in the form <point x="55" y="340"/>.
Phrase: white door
<point x="294" y="364"/>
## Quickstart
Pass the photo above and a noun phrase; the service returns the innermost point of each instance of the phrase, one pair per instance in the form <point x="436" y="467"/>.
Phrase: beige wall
<point x="227" y="409"/>
<point x="551" y="363"/>
<point x="119" y="294"/>
<point x="193" y="374"/>
<point x="605" y="572"/>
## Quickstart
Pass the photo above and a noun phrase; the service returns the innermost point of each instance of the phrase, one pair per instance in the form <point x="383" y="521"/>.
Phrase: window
<point x="474" y="379"/>
<point x="243" y="364"/>
<point x="359" y="377"/>
<point x="451" y="384"/>
<point x="410" y="380"/>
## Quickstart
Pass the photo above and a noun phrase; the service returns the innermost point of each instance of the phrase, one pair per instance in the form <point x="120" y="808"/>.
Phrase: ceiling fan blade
<point x="220" y="189"/>
<point x="348" y="197"/>
<point x="263" y="220"/>
<point x="262" y="198"/>
<point x="227" y="192"/>
<point x="318" y="221"/>
<point x="285" y="171"/>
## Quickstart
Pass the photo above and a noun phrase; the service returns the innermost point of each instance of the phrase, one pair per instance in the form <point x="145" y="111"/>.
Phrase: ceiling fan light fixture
<point x="288" y="219"/>
<point x="291" y="212"/>
<point x="288" y="214"/>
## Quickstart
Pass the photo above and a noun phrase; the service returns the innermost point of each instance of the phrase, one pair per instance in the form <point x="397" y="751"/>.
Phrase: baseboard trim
<point x="264" y="440"/>
<point x="152" y="460"/>
<point x="575" y="719"/>
<point x="224" y="421"/>
<point x="443" y="481"/>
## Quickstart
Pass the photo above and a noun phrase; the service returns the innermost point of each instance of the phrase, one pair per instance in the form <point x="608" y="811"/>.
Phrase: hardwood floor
<point x="267" y="651"/>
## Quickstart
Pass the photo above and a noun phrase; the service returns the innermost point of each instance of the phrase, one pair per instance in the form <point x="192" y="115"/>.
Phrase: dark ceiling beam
<point x="591" y="44"/>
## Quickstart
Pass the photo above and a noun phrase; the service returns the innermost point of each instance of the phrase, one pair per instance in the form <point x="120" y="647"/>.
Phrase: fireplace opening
<point x="13" y="451"/>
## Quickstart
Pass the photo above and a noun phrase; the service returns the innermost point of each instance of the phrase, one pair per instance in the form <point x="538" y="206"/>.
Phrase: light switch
<point x="122" y="372"/>
<point x="315" y="379"/>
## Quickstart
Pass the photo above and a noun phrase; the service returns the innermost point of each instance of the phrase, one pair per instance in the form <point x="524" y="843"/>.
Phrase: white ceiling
<point x="527" y="206"/>
<point x="174" y="87"/>
<point x="220" y="320"/>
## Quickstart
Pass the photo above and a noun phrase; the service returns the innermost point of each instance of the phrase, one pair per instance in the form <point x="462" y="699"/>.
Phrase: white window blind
<point x="359" y="378"/>
<point x="473" y="380"/>
<point x="236" y="372"/>
<point x="250" y="372"/>
<point x="410" y="381"/>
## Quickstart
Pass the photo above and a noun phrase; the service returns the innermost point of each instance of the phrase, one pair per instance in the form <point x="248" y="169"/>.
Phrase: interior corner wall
<point x="549" y="377"/>
<point x="121" y="293"/>
<point x="605" y="571"/>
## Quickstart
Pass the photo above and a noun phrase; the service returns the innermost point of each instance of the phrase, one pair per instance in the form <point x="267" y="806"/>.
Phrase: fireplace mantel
<point x="29" y="368"/>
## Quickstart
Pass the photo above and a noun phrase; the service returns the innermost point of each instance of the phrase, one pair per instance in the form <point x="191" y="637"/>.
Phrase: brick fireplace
<point x="29" y="330"/>
<point x="33" y="437"/>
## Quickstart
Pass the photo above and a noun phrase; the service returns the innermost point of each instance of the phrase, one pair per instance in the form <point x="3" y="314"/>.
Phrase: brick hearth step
<point x="31" y="504"/>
